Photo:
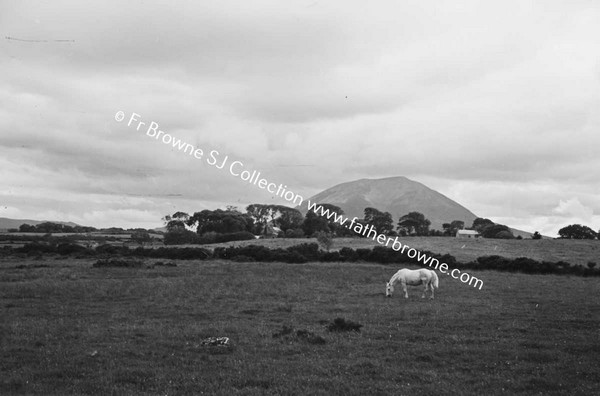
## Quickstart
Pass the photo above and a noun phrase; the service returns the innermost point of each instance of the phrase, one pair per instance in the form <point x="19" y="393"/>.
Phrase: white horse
<point x="413" y="278"/>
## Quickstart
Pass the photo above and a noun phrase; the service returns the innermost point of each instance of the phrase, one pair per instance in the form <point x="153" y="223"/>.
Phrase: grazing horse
<point x="413" y="278"/>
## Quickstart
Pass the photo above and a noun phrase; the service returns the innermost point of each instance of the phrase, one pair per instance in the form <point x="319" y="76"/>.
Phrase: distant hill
<point x="397" y="195"/>
<point x="6" y="223"/>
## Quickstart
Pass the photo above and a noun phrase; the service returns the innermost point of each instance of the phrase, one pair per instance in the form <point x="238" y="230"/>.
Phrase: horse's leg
<point x="404" y="288"/>
<point x="425" y="290"/>
<point x="431" y="287"/>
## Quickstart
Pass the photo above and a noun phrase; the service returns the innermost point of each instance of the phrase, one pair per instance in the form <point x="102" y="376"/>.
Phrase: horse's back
<point x="415" y="277"/>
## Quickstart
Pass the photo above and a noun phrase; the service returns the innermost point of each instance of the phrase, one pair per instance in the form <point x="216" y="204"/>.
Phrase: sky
<point x="494" y="104"/>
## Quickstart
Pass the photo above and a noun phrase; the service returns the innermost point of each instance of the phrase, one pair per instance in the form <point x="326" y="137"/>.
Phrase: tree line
<point x="49" y="227"/>
<point x="213" y="226"/>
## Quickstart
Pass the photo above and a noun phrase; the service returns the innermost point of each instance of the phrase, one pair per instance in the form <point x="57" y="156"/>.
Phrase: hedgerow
<point x="306" y="252"/>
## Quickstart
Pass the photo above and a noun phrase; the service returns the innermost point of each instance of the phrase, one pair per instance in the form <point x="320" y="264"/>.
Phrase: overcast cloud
<point x="494" y="104"/>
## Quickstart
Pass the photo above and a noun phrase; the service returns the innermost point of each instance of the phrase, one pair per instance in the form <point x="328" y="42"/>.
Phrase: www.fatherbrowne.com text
<point x="236" y="169"/>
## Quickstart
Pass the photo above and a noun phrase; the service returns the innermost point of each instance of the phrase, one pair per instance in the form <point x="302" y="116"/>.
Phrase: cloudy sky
<point x="495" y="104"/>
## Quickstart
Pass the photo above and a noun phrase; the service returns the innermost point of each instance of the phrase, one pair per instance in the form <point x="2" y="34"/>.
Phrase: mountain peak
<point x="398" y="195"/>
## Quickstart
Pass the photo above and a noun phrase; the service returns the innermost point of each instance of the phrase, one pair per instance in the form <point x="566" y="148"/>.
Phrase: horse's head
<point x="389" y="289"/>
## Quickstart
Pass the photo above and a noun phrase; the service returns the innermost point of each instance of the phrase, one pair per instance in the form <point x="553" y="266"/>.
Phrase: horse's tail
<point x="436" y="281"/>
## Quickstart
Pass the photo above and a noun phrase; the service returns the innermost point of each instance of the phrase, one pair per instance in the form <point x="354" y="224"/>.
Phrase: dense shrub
<point x="235" y="236"/>
<point x="70" y="248"/>
<point x="257" y="252"/>
<point x="35" y="248"/>
<point x="492" y="262"/>
<point x="296" y="258"/>
<point x="294" y="233"/>
<point x="504" y="235"/>
<point x="208" y="237"/>
<point x="383" y="255"/>
<point x="363" y="254"/>
<point x="119" y="263"/>
<point x="446" y="258"/>
<point x="215" y="237"/>
<point x="348" y="254"/>
<point x="308" y="250"/>
<point x="288" y="334"/>
<point x="112" y="250"/>
<point x="331" y="257"/>
<point x="287" y="256"/>
<point x="187" y="253"/>
<point x="527" y="265"/>
<point x="180" y="236"/>
<point x="341" y="324"/>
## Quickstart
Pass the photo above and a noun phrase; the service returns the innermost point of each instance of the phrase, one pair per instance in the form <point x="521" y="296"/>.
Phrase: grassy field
<point x="68" y="328"/>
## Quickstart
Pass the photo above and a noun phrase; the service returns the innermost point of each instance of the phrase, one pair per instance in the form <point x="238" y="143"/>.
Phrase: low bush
<point x="329" y="257"/>
<point x="187" y="253"/>
<point x="34" y="248"/>
<point x="341" y="325"/>
<point x="181" y="237"/>
<point x="294" y="233"/>
<point x="348" y="254"/>
<point x="308" y="250"/>
<point x="70" y="248"/>
<point x="119" y="263"/>
<point x="235" y="236"/>
<point x="288" y="334"/>
<point x="112" y="250"/>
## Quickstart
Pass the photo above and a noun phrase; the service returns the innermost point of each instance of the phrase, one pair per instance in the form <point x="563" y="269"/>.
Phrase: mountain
<point x="397" y="195"/>
<point x="6" y="223"/>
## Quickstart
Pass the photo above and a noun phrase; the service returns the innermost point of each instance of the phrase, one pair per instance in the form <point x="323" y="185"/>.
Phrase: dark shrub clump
<point x="341" y="324"/>
<point x="119" y="263"/>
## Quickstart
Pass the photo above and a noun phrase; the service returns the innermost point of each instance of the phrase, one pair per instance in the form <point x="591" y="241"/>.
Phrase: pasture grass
<point x="69" y="328"/>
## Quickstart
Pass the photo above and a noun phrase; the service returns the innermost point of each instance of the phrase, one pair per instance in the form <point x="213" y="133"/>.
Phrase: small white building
<point x="467" y="234"/>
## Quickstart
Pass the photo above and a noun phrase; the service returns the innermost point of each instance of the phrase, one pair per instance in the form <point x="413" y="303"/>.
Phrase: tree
<point x="26" y="228"/>
<point x="262" y="215"/>
<point x="177" y="221"/>
<point x="220" y="221"/>
<point x="334" y="226"/>
<point x="450" y="229"/>
<point x="577" y="231"/>
<point x="381" y="221"/>
<point x="288" y="218"/>
<point x="314" y="222"/>
<point x="480" y="224"/>
<point x="83" y="230"/>
<point x="180" y="236"/>
<point x="497" y="231"/>
<point x="536" y="235"/>
<point x="414" y="223"/>
<point x="488" y="229"/>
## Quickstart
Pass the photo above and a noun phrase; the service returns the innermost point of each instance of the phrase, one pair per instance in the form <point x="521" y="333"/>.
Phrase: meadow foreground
<point x="68" y="328"/>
